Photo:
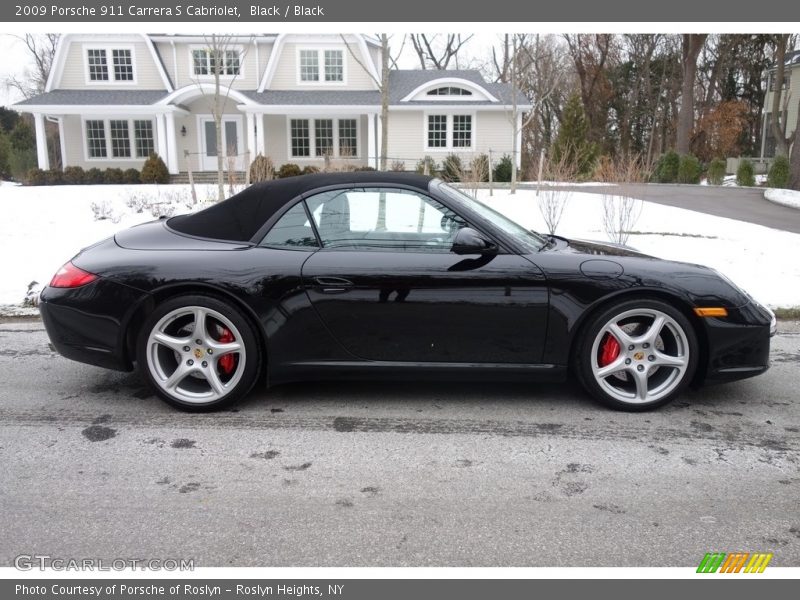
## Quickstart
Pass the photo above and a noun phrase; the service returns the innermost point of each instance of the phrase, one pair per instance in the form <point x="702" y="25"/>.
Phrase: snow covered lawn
<point x="43" y="227"/>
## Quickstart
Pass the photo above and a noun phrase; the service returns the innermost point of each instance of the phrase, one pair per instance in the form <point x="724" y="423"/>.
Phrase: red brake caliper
<point x="227" y="362"/>
<point x="609" y="350"/>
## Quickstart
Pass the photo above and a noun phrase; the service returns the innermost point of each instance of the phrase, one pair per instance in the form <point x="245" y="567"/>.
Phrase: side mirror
<point x="469" y="241"/>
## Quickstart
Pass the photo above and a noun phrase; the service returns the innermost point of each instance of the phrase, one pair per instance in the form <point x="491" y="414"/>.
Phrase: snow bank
<point x="789" y="198"/>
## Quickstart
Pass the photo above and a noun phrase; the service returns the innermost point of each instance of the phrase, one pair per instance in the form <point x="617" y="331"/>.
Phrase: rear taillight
<point x="70" y="276"/>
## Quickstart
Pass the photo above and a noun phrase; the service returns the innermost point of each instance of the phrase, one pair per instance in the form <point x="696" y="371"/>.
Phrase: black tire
<point x="676" y="333"/>
<point x="216" y="311"/>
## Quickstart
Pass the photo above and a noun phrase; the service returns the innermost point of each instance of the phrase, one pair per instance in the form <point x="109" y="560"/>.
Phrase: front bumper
<point x="739" y="343"/>
<point x="88" y="324"/>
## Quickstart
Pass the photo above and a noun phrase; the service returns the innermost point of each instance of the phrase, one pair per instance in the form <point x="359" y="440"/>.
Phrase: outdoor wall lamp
<point x="183" y="131"/>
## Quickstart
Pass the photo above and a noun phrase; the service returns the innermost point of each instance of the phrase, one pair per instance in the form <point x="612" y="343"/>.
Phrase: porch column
<point x="63" y="142"/>
<point x="372" y="154"/>
<point x="250" y="121"/>
<point x="172" y="145"/>
<point x="260" y="143"/>
<point x="518" y="141"/>
<point x="161" y="133"/>
<point x="41" y="142"/>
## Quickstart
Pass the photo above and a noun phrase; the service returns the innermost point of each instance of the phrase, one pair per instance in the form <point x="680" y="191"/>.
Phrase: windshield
<point x="532" y="241"/>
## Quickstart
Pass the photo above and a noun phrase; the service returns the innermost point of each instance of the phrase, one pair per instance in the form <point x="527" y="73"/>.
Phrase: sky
<point x="14" y="62"/>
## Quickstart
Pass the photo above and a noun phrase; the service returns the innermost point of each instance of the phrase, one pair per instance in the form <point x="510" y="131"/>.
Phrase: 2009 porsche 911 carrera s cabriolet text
<point x="390" y="275"/>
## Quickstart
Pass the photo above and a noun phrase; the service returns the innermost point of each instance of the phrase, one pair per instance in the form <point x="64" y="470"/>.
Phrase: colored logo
<point x="736" y="562"/>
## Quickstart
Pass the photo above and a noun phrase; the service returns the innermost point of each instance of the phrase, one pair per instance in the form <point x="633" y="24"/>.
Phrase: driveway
<point x="409" y="474"/>
<point x="742" y="204"/>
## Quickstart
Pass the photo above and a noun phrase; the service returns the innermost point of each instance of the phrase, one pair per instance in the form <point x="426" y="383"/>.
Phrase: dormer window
<point x="318" y="65"/>
<point x="449" y="91"/>
<point x="445" y="90"/>
<point x="206" y="62"/>
<point x="109" y="65"/>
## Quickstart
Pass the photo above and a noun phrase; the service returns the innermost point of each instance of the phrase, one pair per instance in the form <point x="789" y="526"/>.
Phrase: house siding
<point x="277" y="143"/>
<point x="286" y="74"/>
<point x="794" y="100"/>
<point x="492" y="131"/>
<point x="76" y="146"/>
<point x="182" y="75"/>
<point x="73" y="76"/>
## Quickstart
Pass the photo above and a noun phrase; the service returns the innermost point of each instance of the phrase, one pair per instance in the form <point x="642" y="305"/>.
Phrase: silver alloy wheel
<point x="184" y="357"/>
<point x="652" y="359"/>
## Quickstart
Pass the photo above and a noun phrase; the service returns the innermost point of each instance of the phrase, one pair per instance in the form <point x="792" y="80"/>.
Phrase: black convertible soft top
<point x="239" y="217"/>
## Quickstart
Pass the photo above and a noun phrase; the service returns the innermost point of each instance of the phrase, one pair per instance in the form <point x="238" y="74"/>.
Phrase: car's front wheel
<point x="198" y="353"/>
<point x="637" y="355"/>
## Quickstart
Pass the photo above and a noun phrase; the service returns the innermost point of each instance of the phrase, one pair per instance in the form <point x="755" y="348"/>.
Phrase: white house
<point x="293" y="97"/>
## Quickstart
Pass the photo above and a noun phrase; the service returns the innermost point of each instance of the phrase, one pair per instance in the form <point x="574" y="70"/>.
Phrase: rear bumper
<point x="87" y="324"/>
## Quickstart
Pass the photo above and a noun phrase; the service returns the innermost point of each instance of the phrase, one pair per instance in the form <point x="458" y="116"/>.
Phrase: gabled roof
<point x="95" y="98"/>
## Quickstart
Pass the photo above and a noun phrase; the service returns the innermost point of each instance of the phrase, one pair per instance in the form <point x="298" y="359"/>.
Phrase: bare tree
<point x="437" y="51"/>
<point x="794" y="159"/>
<point x="554" y="197"/>
<point x="621" y="210"/>
<point x="780" y="100"/>
<point x="42" y="50"/>
<point x="593" y="56"/>
<point x="224" y="59"/>
<point x="382" y="83"/>
<point x="526" y="57"/>
<point x="692" y="44"/>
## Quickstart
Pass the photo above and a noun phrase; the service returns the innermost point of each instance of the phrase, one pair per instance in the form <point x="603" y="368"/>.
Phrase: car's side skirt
<point x="345" y="369"/>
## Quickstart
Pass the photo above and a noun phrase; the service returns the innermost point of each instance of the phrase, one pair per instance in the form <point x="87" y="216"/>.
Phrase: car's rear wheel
<point x="198" y="353"/>
<point x="637" y="355"/>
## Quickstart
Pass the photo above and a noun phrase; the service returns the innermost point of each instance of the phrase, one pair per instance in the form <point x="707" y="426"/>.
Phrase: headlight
<point x="773" y="321"/>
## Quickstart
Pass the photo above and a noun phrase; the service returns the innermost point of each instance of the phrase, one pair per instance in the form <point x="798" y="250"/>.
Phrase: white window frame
<point x="210" y="76"/>
<point x="312" y="135"/>
<point x="106" y="119"/>
<point x="108" y="51"/>
<point x="320" y="50"/>
<point x="448" y="147"/>
<point x="471" y="97"/>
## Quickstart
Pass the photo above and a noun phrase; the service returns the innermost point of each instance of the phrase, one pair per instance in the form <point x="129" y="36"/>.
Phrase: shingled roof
<point x="96" y="98"/>
<point x="401" y="84"/>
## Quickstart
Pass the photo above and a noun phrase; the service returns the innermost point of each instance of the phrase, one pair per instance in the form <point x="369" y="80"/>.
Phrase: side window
<point x="383" y="219"/>
<point x="292" y="230"/>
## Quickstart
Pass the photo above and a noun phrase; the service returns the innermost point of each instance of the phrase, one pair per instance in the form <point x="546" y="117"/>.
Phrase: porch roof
<point x="95" y="98"/>
<point x="316" y="97"/>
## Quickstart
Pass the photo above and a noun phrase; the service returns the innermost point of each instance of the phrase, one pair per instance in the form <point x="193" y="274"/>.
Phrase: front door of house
<point x="232" y="144"/>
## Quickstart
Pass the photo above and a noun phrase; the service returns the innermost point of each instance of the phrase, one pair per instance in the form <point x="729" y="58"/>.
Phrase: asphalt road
<point x="393" y="475"/>
<point x="742" y="204"/>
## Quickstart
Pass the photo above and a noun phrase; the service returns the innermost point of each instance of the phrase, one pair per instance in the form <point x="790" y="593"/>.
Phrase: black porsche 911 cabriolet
<point x="390" y="275"/>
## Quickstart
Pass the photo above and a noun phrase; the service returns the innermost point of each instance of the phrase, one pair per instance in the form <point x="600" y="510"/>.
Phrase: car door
<point x="389" y="288"/>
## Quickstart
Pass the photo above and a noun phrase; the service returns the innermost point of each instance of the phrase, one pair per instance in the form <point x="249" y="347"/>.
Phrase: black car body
<point x="492" y="303"/>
